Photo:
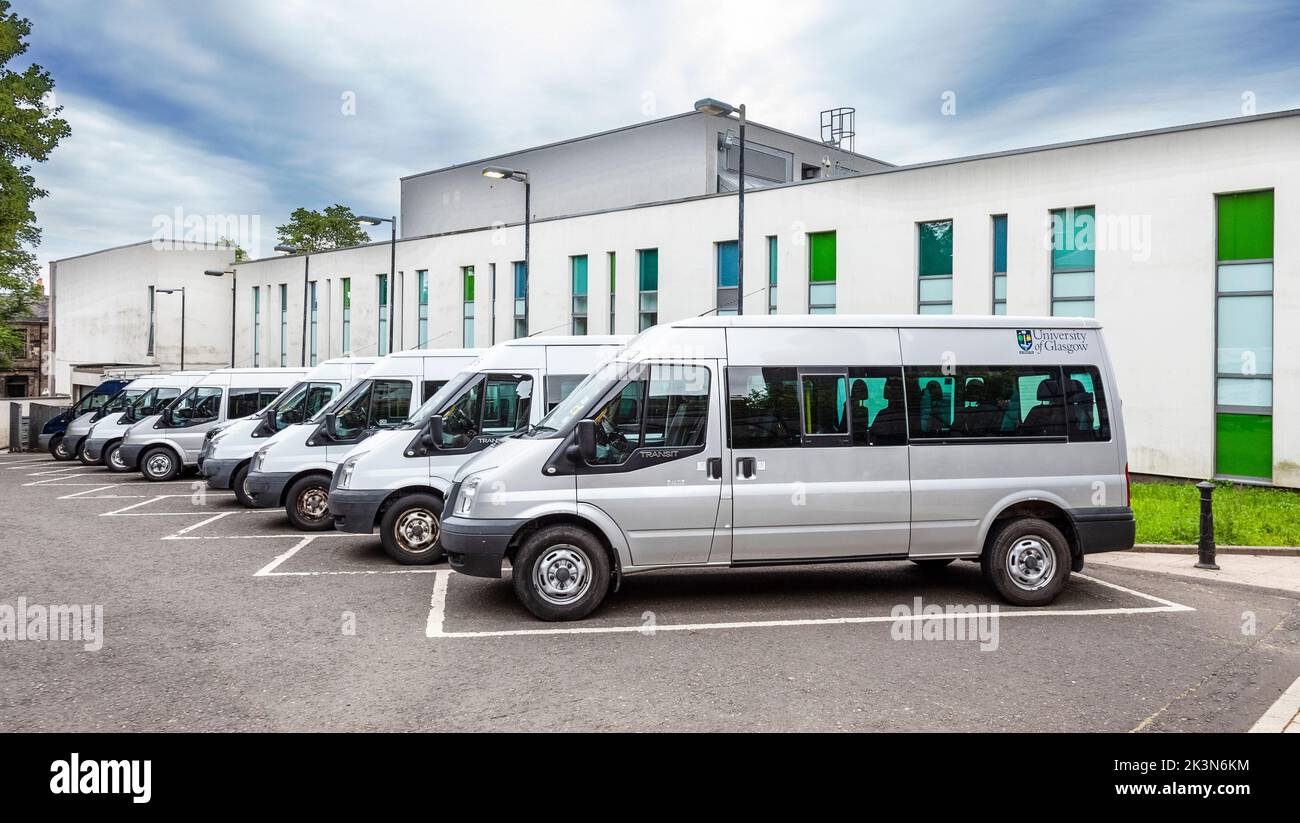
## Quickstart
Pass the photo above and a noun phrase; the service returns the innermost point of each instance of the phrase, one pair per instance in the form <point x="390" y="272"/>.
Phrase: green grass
<point x="1243" y="515"/>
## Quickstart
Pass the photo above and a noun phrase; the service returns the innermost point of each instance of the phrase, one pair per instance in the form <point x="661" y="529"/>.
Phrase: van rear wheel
<point x="561" y="573"/>
<point x="237" y="483"/>
<point x="411" y="530"/>
<point x="59" y="448"/>
<point x="307" y="503"/>
<point x="160" y="464"/>
<point x="113" y="457"/>
<point x="1027" y="562"/>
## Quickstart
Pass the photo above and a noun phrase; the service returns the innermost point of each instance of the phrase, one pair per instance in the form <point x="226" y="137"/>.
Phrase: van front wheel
<point x="561" y="573"/>
<point x="411" y="530"/>
<point x="237" y="483"/>
<point x="308" y="504"/>
<point x="113" y="457"/>
<point x="59" y="449"/>
<point x="160" y="464"/>
<point x="1027" y="562"/>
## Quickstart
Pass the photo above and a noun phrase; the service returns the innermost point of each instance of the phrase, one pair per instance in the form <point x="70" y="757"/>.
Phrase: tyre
<point x="561" y="573"/>
<point x="307" y="503"/>
<point x="1027" y="562"/>
<point x="237" y="483"/>
<point x="160" y="463"/>
<point x="82" y="456"/>
<point x="60" y="450"/>
<point x="411" y="530"/>
<point x="927" y="565"/>
<point x="113" y="457"/>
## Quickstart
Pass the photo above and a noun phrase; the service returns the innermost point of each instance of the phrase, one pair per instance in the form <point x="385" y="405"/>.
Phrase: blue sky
<point x="237" y="107"/>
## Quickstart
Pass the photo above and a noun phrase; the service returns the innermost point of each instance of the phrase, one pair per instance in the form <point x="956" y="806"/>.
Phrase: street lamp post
<point x="180" y="289"/>
<point x="519" y="176"/>
<point x="716" y="107"/>
<point x="367" y="220"/>
<point x="234" y="296"/>
<point x="306" y="279"/>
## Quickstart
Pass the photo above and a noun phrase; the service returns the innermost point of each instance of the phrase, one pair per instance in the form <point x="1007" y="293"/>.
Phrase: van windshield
<point x="150" y="403"/>
<point x="439" y="400"/>
<point x="120" y="402"/>
<point x="302" y="402"/>
<point x="559" y="420"/>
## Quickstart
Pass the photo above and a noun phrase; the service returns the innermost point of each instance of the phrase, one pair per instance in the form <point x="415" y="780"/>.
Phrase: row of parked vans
<point x="711" y="442"/>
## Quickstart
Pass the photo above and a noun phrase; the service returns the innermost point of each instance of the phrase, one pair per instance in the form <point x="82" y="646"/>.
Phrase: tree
<point x="30" y="128"/>
<point x="310" y="230"/>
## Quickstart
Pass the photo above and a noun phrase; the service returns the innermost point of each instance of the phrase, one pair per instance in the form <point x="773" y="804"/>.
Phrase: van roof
<point x="437" y="353"/>
<point x="947" y="321"/>
<point x="266" y="370"/>
<point x="570" y="340"/>
<point x="342" y="361"/>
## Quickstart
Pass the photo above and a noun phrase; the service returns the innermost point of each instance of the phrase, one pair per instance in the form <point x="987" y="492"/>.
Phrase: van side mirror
<point x="331" y="424"/>
<point x="432" y="437"/>
<point x="586" y="437"/>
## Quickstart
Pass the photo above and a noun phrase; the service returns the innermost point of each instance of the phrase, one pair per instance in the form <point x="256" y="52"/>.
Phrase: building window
<point x="612" y="327"/>
<point x="467" y="302"/>
<point x="648" y="287"/>
<point x="578" y="279"/>
<point x="347" y="315"/>
<point x="771" y="274"/>
<point x="728" y="277"/>
<point x="521" y="299"/>
<point x="312" y="297"/>
<point x="1244" y="336"/>
<point x="257" y="326"/>
<point x="821" y="272"/>
<point x="934" y="267"/>
<point x="1074" y="244"/>
<point x="422" y="310"/>
<point x="999" y="264"/>
<point x="152" y="318"/>
<point x="382" y="343"/>
<point x="284" y="324"/>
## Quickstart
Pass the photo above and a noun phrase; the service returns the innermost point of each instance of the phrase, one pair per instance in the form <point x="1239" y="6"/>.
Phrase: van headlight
<point x="465" y="499"/>
<point x="259" y="459"/>
<point x="345" y="473"/>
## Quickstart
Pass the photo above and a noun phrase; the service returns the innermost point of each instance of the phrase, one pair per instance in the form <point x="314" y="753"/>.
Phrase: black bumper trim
<point x="1104" y="529"/>
<point x="476" y="547"/>
<point x="218" y="472"/>
<point x="355" y="510"/>
<point x="264" y="489"/>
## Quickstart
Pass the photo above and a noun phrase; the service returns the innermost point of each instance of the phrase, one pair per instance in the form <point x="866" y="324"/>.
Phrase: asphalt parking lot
<point x="221" y="618"/>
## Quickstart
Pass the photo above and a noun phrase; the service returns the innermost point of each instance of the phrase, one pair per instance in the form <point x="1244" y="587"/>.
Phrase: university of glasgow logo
<point x="1025" y="337"/>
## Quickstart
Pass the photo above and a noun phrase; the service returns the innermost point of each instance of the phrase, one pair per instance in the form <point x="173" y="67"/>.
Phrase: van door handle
<point x="746" y="467"/>
<point x="713" y="468"/>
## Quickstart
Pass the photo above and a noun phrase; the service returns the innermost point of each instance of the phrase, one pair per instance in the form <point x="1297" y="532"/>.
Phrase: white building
<point x="110" y="310"/>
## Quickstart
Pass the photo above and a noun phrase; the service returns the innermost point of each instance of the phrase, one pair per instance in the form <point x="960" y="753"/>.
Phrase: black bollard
<point x="1205" y="544"/>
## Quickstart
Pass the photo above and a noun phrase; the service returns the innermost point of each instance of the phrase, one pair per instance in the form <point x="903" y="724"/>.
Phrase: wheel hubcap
<point x="562" y="574"/>
<point x="417" y="530"/>
<point x="159" y="465"/>
<point x="1031" y="563"/>
<point x="115" y="457"/>
<point x="62" y="449"/>
<point x="313" y="504"/>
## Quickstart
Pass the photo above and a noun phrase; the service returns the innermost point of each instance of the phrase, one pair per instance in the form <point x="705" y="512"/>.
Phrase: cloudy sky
<point x="240" y="107"/>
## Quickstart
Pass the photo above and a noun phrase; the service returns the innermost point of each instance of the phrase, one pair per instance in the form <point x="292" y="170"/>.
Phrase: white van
<point x="103" y="443"/>
<point x="79" y="429"/>
<point x="809" y="439"/>
<point x="293" y="468"/>
<point x="163" y="445"/>
<point x="398" y="480"/>
<point x="228" y="450"/>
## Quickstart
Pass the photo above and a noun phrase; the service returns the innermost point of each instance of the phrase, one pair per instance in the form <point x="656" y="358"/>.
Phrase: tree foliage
<point x="30" y="128"/>
<point x="310" y="230"/>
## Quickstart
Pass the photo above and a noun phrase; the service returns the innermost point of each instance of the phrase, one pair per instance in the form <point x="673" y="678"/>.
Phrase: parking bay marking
<point x="434" y="625"/>
<point x="269" y="570"/>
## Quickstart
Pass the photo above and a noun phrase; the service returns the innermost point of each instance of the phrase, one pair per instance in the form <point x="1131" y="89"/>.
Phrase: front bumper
<point x="266" y="488"/>
<point x="1104" y="529"/>
<point x="43" y="440"/>
<point x="476" y="546"/>
<point x="218" y="472"/>
<point x="130" y="454"/>
<point x="95" y="448"/>
<point x="355" y="510"/>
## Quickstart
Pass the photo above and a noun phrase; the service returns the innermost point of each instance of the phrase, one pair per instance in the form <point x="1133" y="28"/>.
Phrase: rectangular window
<point x="578" y="284"/>
<point x="726" y="255"/>
<point x="284" y="325"/>
<point x="521" y="299"/>
<point x="785" y="407"/>
<point x="152" y="297"/>
<point x="422" y="309"/>
<point x="382" y="342"/>
<point x="257" y="327"/>
<point x="674" y="414"/>
<point x="497" y="404"/>
<point x="648" y="287"/>
<point x="560" y="386"/>
<point x="771" y="274"/>
<point x="243" y="402"/>
<point x="821" y="272"/>
<point x="1074" y="245"/>
<point x="467" y="303"/>
<point x="934" y="267"/>
<point x="347" y="315"/>
<point x="999" y="264"/>
<point x="612" y="291"/>
<point x="313" y="319"/>
<point x="1244" y="336"/>
<point x="1006" y="402"/>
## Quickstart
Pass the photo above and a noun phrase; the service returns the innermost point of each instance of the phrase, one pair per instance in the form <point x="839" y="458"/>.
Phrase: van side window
<point x="431" y="387"/>
<point x="560" y="386"/>
<point x="764" y="407"/>
<point x="665" y="406"/>
<point x="391" y="403"/>
<point x="243" y="402"/>
<point x="1086" y="419"/>
<point x="460" y="419"/>
<point x="825" y="404"/>
<point x="876" y="407"/>
<point x="509" y="400"/>
<point x="983" y="402"/>
<point x="201" y="404"/>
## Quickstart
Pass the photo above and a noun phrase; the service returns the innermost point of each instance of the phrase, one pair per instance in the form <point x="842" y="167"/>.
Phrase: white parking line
<point x="77" y="467"/>
<point x="438" y="607"/>
<point x="10" y="465"/>
<point x="269" y="570"/>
